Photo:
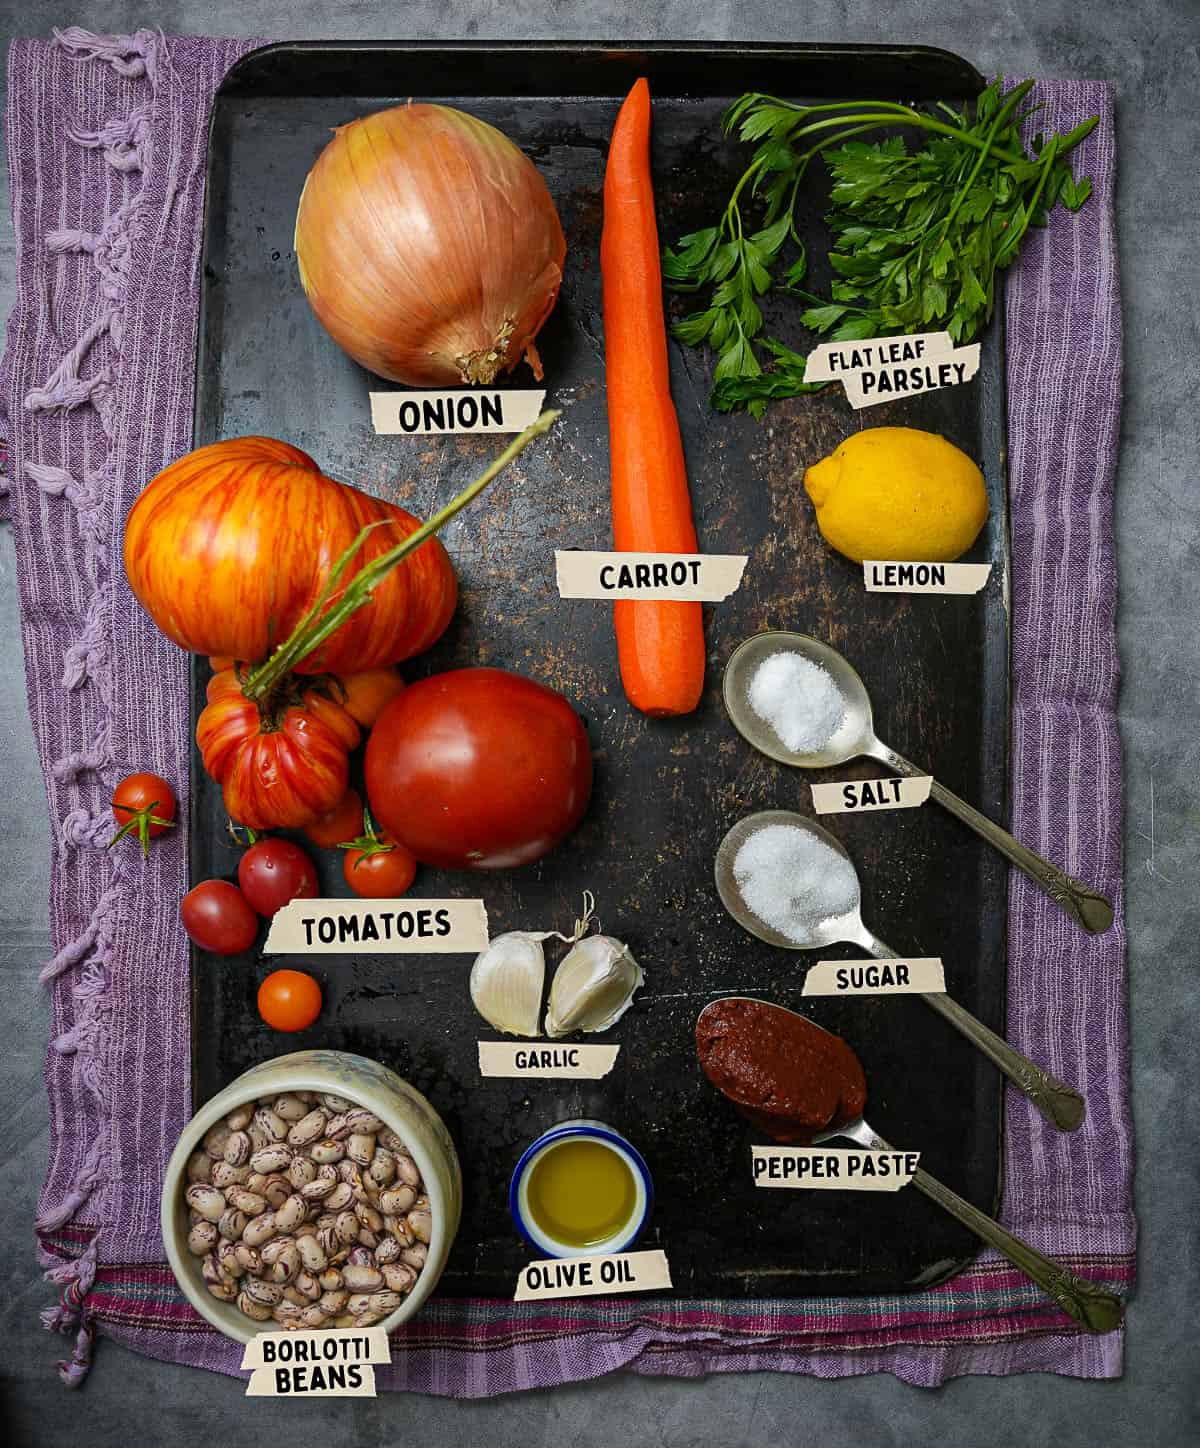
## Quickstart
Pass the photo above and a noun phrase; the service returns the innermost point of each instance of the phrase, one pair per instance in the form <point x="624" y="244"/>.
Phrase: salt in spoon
<point x="1057" y="1103"/>
<point x="856" y="737"/>
<point x="1089" y="1305"/>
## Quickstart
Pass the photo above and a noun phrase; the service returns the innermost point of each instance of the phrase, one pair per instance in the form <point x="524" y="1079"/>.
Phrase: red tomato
<point x="381" y="870"/>
<point x="272" y="872"/>
<point x="342" y="824"/>
<point x="479" y="769"/>
<point x="218" y="917"/>
<point x="289" y="1000"/>
<point x="144" y="805"/>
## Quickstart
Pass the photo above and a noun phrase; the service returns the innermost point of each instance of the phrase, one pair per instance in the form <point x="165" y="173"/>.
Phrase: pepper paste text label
<point x="832" y="1168"/>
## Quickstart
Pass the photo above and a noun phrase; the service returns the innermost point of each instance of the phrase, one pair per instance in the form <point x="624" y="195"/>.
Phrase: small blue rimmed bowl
<point x="518" y="1193"/>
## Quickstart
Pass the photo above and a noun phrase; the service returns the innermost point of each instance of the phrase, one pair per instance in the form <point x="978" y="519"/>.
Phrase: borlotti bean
<point x="307" y="1211"/>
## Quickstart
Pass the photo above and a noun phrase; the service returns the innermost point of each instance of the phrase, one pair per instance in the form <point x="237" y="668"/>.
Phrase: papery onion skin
<point x="429" y="247"/>
<point x="228" y="547"/>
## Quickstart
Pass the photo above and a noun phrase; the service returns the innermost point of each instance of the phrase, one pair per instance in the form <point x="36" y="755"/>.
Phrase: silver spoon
<point x="1091" y="1306"/>
<point x="1057" y="1103"/>
<point x="856" y="737"/>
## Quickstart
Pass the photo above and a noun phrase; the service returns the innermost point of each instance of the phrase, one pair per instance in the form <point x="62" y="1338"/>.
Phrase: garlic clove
<point x="507" y="980"/>
<point x="593" y="986"/>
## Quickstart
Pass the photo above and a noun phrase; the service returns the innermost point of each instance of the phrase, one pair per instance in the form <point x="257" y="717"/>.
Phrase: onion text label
<point x="342" y="927"/>
<point x="881" y="576"/>
<point x="832" y="1168"/>
<point x="866" y="794"/>
<point x="464" y="410"/>
<point x="923" y="975"/>
<point x="320" y="1363"/>
<point x="879" y="369"/>
<point x="551" y="1060"/>
<point x="683" y="577"/>
<point x="593" y="1276"/>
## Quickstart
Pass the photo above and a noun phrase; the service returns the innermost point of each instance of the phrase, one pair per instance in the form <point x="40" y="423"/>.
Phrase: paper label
<point x="861" y="794"/>
<point x="684" y="577"/>
<point x="876" y="977"/>
<point x="549" y="1059"/>
<point x="881" y="576"/>
<point x="468" y="409"/>
<point x="388" y="927"/>
<point x="837" y="1169"/>
<point x="326" y="1362"/>
<point x="880" y="369"/>
<point x="593" y="1276"/>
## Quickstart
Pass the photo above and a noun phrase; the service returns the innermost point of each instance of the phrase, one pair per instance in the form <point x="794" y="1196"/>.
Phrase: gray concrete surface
<point x="1150" y="51"/>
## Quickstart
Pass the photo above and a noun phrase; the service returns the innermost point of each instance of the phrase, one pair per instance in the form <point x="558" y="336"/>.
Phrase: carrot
<point x="660" y="645"/>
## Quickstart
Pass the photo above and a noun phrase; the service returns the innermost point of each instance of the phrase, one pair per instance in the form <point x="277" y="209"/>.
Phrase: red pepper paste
<point x="786" y="1075"/>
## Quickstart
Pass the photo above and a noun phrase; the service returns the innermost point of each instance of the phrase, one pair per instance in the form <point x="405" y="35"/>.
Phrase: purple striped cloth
<point x="106" y="148"/>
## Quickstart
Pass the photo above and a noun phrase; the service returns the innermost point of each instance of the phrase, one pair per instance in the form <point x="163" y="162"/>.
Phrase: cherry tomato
<point x="144" y="805"/>
<point x="289" y="1000"/>
<point x="377" y="866"/>
<point x="478" y="768"/>
<point x="367" y="692"/>
<point x="218" y="917"/>
<point x="343" y="823"/>
<point x="274" y="871"/>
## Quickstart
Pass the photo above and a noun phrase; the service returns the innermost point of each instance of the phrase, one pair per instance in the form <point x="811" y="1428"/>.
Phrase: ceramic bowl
<point x="365" y="1082"/>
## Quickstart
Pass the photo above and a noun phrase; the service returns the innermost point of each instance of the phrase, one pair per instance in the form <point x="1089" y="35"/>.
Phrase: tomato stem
<point x="326" y="617"/>
<point x="140" y="821"/>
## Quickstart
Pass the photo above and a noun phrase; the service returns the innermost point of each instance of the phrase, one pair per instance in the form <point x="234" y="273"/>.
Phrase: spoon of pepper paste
<point x="798" y="1082"/>
<point x="811" y="929"/>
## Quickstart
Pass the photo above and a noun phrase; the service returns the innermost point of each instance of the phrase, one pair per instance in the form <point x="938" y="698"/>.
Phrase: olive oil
<point x="581" y="1193"/>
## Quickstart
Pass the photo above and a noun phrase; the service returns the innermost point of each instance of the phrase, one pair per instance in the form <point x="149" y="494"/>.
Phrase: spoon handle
<point x="1091" y="1306"/>
<point x="1057" y="1102"/>
<point x="1089" y="908"/>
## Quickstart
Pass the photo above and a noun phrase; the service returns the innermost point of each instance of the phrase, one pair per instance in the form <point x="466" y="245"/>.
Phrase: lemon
<point x="898" y="492"/>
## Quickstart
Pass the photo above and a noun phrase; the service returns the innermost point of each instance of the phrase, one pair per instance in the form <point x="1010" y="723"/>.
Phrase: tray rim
<point x="993" y="340"/>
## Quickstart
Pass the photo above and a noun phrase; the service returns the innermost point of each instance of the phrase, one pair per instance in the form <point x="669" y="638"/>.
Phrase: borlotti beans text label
<point x="593" y="1276"/>
<point x="684" y="577"/>
<point x="924" y="975"/>
<point x="467" y="410"/>
<point x="880" y="369"/>
<point x="386" y="927"/>
<point x="864" y="794"/>
<point x="326" y="1362"/>
<point x="880" y="576"/>
<point x="549" y="1059"/>
<point x="832" y="1168"/>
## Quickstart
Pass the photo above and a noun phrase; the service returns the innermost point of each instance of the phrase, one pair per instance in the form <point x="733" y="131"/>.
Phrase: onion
<point x="429" y="247"/>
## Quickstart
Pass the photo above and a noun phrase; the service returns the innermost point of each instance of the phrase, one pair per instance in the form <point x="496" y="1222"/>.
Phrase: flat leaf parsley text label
<point x="457" y="410"/>
<point x="683" y="577"/>
<point x="340" y="927"/>
<point x="880" y="369"/>
<point x="837" y="1168"/>
<point x="593" y="1276"/>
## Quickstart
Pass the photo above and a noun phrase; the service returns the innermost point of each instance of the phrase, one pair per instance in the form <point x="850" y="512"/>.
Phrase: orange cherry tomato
<point x="289" y="1000"/>
<point x="377" y="866"/>
<point x="343" y="823"/>
<point x="368" y="691"/>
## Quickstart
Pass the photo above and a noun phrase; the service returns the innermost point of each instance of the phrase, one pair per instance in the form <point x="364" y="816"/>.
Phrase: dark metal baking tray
<point x="665" y="791"/>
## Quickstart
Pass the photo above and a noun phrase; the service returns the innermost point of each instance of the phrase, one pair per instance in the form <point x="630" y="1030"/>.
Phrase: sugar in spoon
<point x="1057" y="1103"/>
<point x="856" y="738"/>
<point x="1091" y="1306"/>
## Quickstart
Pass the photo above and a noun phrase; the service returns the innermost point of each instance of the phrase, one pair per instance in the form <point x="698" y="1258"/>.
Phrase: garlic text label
<point x="879" y="369"/>
<point x="387" y="927"/>
<point x="919" y="976"/>
<point x="593" y="1276"/>
<point x="553" y="1060"/>
<point x="836" y="1169"/>
<point x="463" y="410"/>
<point x="683" y="577"/>
<point x="862" y="794"/>
<point x="321" y="1363"/>
<point x="881" y="576"/>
